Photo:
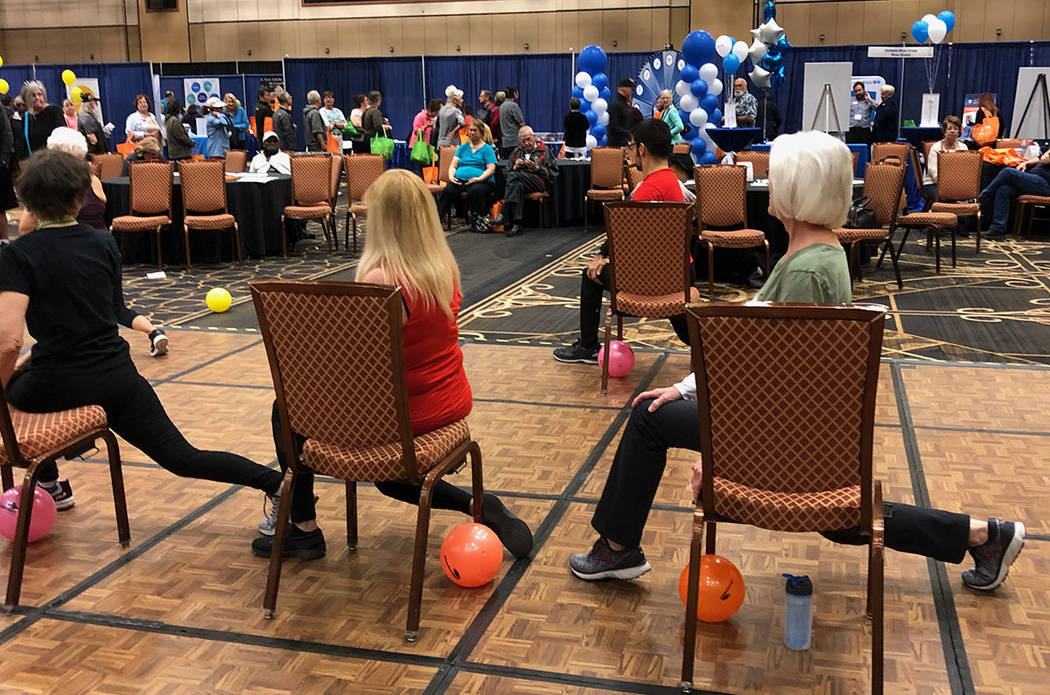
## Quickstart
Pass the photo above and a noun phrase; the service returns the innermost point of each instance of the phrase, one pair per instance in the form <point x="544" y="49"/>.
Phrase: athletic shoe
<point x="994" y="234"/>
<point x="992" y="559"/>
<point x="577" y="353"/>
<point x="305" y="545"/>
<point x="269" y="522"/>
<point x="605" y="563"/>
<point x="515" y="230"/>
<point x="512" y="531"/>
<point x="158" y="343"/>
<point x="61" y="492"/>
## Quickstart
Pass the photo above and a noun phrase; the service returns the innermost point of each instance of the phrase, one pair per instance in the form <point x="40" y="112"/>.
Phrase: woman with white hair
<point x="666" y="112"/>
<point x="38" y="121"/>
<point x="450" y="118"/>
<point x="810" y="188"/>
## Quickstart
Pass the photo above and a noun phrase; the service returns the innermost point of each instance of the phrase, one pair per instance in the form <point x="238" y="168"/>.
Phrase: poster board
<point x="873" y="85"/>
<point x="1034" y="122"/>
<point x="839" y="76"/>
<point x="199" y="89"/>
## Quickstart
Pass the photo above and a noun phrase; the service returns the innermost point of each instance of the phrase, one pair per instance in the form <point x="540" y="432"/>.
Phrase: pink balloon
<point x="622" y="360"/>
<point x="42" y="520"/>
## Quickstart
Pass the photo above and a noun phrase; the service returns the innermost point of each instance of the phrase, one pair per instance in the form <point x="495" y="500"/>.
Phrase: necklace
<point x="56" y="223"/>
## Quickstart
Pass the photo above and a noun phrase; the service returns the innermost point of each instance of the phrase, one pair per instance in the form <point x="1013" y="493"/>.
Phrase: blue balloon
<point x="592" y="60"/>
<point x="605" y="93"/>
<point x="578" y="92"/>
<point x="708" y="158"/>
<point x="601" y="81"/>
<point x="730" y="64"/>
<point x="603" y="141"/>
<point x="948" y="17"/>
<point x="592" y="118"/>
<point x="769" y="11"/>
<point x="689" y="73"/>
<point x="783" y="40"/>
<point x="714" y="116"/>
<point x="709" y="103"/>
<point x="777" y="78"/>
<point x="585" y="106"/>
<point x="698" y="146"/>
<point x="699" y="88"/>
<point x="684" y="115"/>
<point x="598" y="131"/>
<point x="698" y="47"/>
<point x="920" y="31"/>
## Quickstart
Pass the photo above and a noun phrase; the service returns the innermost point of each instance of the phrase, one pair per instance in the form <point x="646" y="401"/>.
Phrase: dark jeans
<point x="858" y="135"/>
<point x="478" y="195"/>
<point x="444" y="495"/>
<point x="1004" y="189"/>
<point x="639" y="465"/>
<point x="136" y="414"/>
<point x="518" y="184"/>
<point x="591" y="311"/>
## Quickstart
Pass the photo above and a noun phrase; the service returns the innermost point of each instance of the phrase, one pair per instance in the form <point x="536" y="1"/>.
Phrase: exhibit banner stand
<point x="1041" y="112"/>
<point x="826" y="108"/>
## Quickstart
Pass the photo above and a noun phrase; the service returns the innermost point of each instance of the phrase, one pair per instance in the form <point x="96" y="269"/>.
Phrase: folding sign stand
<point x="1040" y="85"/>
<point x="826" y="106"/>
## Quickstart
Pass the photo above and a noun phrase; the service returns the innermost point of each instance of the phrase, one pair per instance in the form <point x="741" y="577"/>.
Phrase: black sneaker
<point x="61" y="492"/>
<point x="305" y="545"/>
<point x="512" y="531"/>
<point x="605" y="563"/>
<point x="515" y="230"/>
<point x="158" y="343"/>
<point x="994" y="234"/>
<point x="992" y="559"/>
<point x="577" y="353"/>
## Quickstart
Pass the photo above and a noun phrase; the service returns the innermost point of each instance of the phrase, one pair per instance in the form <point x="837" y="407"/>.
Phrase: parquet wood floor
<point x="180" y="610"/>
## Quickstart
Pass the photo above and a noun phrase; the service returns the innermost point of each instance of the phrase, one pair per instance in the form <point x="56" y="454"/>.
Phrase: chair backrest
<point x="150" y="187"/>
<point x="236" y="161"/>
<point x="927" y="145"/>
<point x="959" y="175"/>
<point x="759" y="162"/>
<point x="806" y="422"/>
<point x="1012" y="143"/>
<point x="203" y="185"/>
<point x="338" y="366"/>
<point x="110" y="164"/>
<point x="633" y="176"/>
<point x="883" y="184"/>
<point x="337" y="175"/>
<point x="648" y="248"/>
<point x="361" y="171"/>
<point x="311" y="174"/>
<point x="721" y="195"/>
<point x="856" y="159"/>
<point x="900" y="150"/>
<point x="445" y="156"/>
<point x="681" y="148"/>
<point x="606" y="167"/>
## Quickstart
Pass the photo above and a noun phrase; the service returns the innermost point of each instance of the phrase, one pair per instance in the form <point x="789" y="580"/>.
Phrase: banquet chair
<point x="883" y="183"/>
<point x="149" y="189"/>
<point x="959" y="179"/>
<point x="541" y="198"/>
<point x="808" y="472"/>
<point x="1009" y="143"/>
<point x="934" y="221"/>
<point x="927" y="145"/>
<point x="721" y="201"/>
<point x="236" y="161"/>
<point x="33" y="440"/>
<point x="606" y="177"/>
<point x="681" y="148"/>
<point x="759" y="161"/>
<point x="633" y="176"/>
<point x="311" y="174"/>
<point x="109" y="165"/>
<point x="342" y="385"/>
<point x="856" y="159"/>
<point x="648" y="263"/>
<point x="1026" y="205"/>
<point x="361" y="171"/>
<point x="204" y="192"/>
<point x="445" y="156"/>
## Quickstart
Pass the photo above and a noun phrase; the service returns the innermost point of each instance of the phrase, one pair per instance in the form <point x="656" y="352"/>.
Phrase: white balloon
<point x="688" y="102"/>
<point x="708" y="71"/>
<point x="698" y="117"/>
<point x="682" y="88"/>
<point x="599" y="106"/>
<point x="590" y="92"/>
<point x="770" y="32"/>
<point x="591" y="141"/>
<point x="740" y="50"/>
<point x="929" y="18"/>
<point x="760" y="77"/>
<point x="603" y="118"/>
<point x="938" y="30"/>
<point x="756" y="33"/>
<point x="582" y="79"/>
<point x="714" y="87"/>
<point x="724" y="45"/>
<point x="757" y="51"/>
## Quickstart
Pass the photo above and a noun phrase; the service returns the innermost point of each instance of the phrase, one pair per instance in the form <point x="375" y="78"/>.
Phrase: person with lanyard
<point x="861" y="109"/>
<point x="38" y="121"/>
<point x="666" y="112"/>
<point x="270" y="159"/>
<point x="180" y="144"/>
<point x="219" y="128"/>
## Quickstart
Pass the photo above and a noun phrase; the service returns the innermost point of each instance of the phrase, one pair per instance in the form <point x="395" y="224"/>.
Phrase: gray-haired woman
<point x="39" y="120"/>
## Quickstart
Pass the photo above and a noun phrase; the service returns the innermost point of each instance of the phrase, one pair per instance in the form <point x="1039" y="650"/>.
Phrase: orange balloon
<point x="721" y="589"/>
<point x="471" y="555"/>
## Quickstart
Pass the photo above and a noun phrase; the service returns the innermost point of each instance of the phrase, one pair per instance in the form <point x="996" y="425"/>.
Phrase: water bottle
<point x="799" y="618"/>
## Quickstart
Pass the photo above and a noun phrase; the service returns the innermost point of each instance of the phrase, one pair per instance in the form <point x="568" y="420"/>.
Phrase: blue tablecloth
<point x="202" y="144"/>
<point x="734" y="139"/>
<point x="861" y="150"/>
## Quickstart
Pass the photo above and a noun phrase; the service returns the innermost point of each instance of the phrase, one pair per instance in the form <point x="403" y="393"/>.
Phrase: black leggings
<point x="444" y="495"/>
<point x="136" y="414"/>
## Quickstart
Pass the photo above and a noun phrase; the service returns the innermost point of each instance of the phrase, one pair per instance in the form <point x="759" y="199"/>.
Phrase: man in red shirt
<point x="652" y="147"/>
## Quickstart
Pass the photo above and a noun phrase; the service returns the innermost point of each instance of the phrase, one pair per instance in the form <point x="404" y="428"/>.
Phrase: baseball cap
<point x="626" y="82"/>
<point x="269" y="134"/>
<point x="88" y="97"/>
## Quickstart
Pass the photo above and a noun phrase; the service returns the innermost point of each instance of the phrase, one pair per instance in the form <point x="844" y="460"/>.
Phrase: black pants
<point x="478" y="195"/>
<point x="591" y="311"/>
<point x="518" y="184"/>
<point x="444" y="495"/>
<point x="136" y="414"/>
<point x="859" y="135"/>
<point x="639" y="465"/>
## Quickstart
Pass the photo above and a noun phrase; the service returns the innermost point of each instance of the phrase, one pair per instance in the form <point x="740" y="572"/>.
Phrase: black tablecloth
<point x="257" y="207"/>
<point x="574" y="178"/>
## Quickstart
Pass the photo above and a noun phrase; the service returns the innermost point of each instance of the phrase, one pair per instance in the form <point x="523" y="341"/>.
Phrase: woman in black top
<point x="372" y="122"/>
<point x="63" y="282"/>
<point x="38" y="121"/>
<point x="576" y="126"/>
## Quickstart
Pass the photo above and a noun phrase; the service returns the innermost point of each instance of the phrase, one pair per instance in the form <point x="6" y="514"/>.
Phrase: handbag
<point x="860" y="215"/>
<point x="422" y="152"/>
<point x="431" y="175"/>
<point x="383" y="145"/>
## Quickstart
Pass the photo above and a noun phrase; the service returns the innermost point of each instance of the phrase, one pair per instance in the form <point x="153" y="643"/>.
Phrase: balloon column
<point x="698" y="89"/>
<point x="933" y="29"/>
<point x="4" y="87"/>
<point x="767" y="41"/>
<point x="592" y="89"/>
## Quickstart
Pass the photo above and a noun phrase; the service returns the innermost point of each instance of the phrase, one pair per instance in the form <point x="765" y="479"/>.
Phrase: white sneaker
<point x="158" y="343"/>
<point x="268" y="524"/>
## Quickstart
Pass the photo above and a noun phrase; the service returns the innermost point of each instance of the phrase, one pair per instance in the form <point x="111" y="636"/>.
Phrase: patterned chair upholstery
<point x="337" y="360"/>
<point x="204" y="191"/>
<point x="361" y="171"/>
<point x="445" y="155"/>
<point x="927" y="145"/>
<point x="150" y="185"/>
<point x="721" y="201"/>
<point x="236" y="161"/>
<point x="110" y="164"/>
<point x="681" y="148"/>
<point x="759" y="161"/>
<point x="648" y="263"/>
<point x="32" y="440"/>
<point x="1026" y="205"/>
<point x="311" y="183"/>
<point x="1009" y="143"/>
<point x="958" y="185"/>
<point x="883" y="184"/>
<point x="606" y="178"/>
<point x="796" y="454"/>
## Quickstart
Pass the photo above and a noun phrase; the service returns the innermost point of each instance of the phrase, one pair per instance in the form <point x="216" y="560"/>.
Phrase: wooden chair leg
<point x="951" y="231"/>
<point x="692" y="599"/>
<point x="1018" y="224"/>
<point x="284" y="239"/>
<point x="351" y="515"/>
<point x="710" y="269"/>
<point x="160" y="261"/>
<point x="346" y="228"/>
<point x="116" y="479"/>
<point x="478" y="489"/>
<point x="415" y="592"/>
<point x="586" y="200"/>
<point x="875" y="565"/>
<point x="977" y="231"/>
<point x="7" y="480"/>
<point x="619" y="326"/>
<point x="237" y="244"/>
<point x="18" y="548"/>
<point x="605" y="362"/>
<point x="284" y="512"/>
<point x="709" y="547"/>
<point x="355" y="232"/>
<point x="766" y="243"/>
<point x="936" y="233"/>
<point x="186" y="238"/>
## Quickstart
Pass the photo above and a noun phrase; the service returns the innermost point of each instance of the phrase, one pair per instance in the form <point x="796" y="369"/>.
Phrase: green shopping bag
<point x="383" y="145"/>
<point x="422" y="152"/>
<point x="350" y="130"/>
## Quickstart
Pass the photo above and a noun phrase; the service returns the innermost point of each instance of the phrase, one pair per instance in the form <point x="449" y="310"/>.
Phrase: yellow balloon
<point x="1" y="61"/>
<point x="218" y="300"/>
<point x="75" y="94"/>
<point x="68" y="77"/>
<point x="4" y="86"/>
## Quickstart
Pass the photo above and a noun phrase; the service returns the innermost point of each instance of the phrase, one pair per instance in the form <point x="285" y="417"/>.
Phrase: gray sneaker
<point x="267" y="525"/>
<point x="605" y="563"/>
<point x="577" y="353"/>
<point x="992" y="559"/>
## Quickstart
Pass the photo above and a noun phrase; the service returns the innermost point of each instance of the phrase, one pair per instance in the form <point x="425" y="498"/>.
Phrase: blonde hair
<point x="810" y="178"/>
<point x="148" y="145"/>
<point x="227" y="95"/>
<point x="405" y="240"/>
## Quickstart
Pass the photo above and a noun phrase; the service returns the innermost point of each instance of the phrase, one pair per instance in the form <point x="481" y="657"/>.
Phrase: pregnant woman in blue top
<point x="471" y="171"/>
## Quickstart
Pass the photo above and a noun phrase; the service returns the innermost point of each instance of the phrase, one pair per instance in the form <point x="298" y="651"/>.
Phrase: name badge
<point x="856" y="116"/>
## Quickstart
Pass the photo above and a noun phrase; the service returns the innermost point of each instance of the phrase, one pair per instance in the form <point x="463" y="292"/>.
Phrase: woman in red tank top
<point x="405" y="246"/>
